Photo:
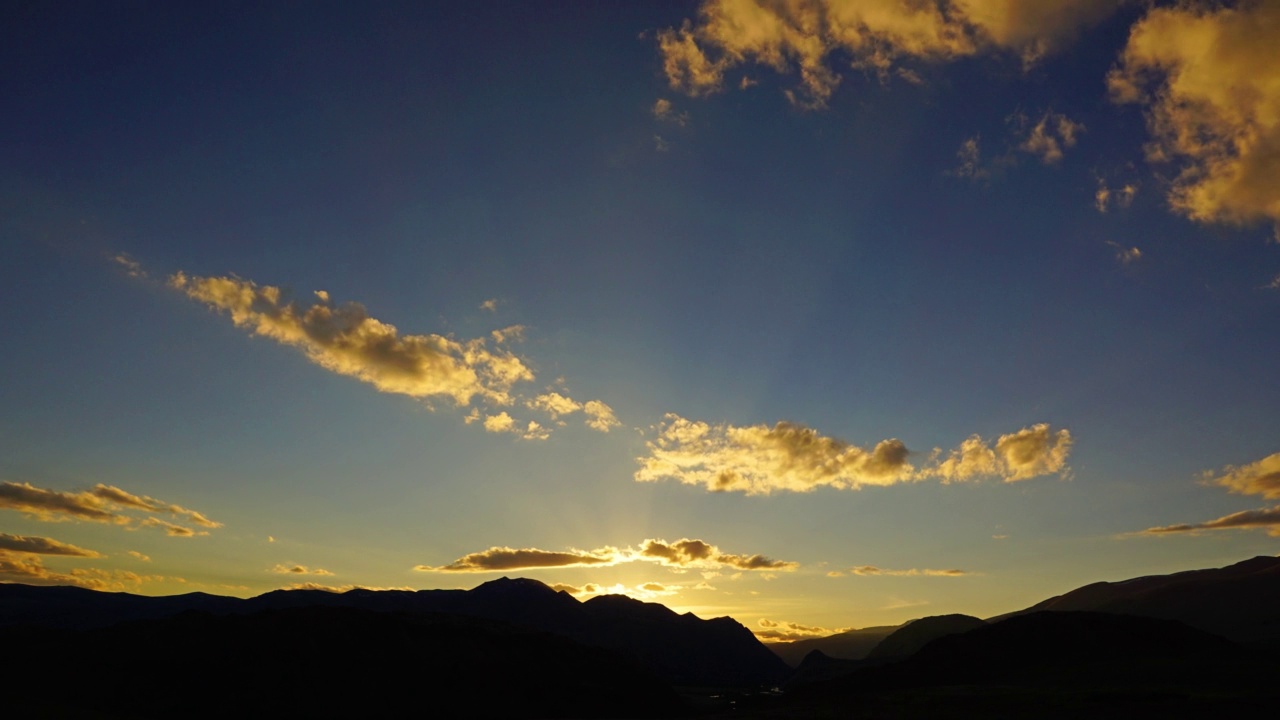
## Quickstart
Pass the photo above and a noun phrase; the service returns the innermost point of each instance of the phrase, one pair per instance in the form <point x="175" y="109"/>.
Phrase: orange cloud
<point x="759" y="460"/>
<point x="682" y="553"/>
<point x="283" y="569"/>
<point x="345" y="340"/>
<point x="1267" y="518"/>
<point x="1207" y="76"/>
<point x="783" y="631"/>
<point x="41" y="546"/>
<point x="802" y="37"/>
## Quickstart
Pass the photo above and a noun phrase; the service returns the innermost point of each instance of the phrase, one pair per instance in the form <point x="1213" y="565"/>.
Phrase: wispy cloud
<point x="1260" y="478"/>
<point x="42" y="546"/>
<point x="346" y="340"/>
<point x="683" y="553"/>
<point x="291" y="569"/>
<point x="1049" y="137"/>
<point x="1206" y="75"/>
<point x="1266" y="518"/>
<point x="102" y="503"/>
<point x="759" y="459"/>
<point x="910" y="572"/>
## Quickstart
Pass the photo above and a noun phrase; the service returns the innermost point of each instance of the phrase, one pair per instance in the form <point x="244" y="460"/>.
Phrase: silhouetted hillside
<point x="322" y="662"/>
<point x="906" y="640"/>
<point x="1240" y="601"/>
<point x="1059" y="664"/>
<point x="683" y="649"/>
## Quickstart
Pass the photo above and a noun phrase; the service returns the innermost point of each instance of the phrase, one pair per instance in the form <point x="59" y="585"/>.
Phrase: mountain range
<point x="1192" y="643"/>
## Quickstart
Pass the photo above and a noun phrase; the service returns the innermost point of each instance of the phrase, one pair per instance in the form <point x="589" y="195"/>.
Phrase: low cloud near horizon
<point x="683" y="553"/>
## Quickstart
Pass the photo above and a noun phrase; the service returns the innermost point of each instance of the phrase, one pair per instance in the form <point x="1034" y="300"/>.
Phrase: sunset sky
<point x="816" y="314"/>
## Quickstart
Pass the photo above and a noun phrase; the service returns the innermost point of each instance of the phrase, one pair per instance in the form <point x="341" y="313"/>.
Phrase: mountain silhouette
<point x="908" y="639"/>
<point x="324" y="662"/>
<point x="682" y="649"/>
<point x="848" y="645"/>
<point x="1240" y="601"/>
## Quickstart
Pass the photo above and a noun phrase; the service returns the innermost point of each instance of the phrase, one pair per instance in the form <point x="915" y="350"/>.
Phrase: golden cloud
<point x="42" y="546"/>
<point x="103" y="503"/>
<point x="696" y="553"/>
<point x="1207" y="76"/>
<point x="51" y="505"/>
<point x="1050" y="136"/>
<point x="1257" y="478"/>
<point x="683" y="553"/>
<point x="126" y="499"/>
<point x="783" y="631"/>
<point x="345" y="340"/>
<point x="875" y="35"/>
<point x="1267" y="518"/>
<point x="599" y="415"/>
<point x="758" y="459"/>
<point x="139" y="556"/>
<point x="498" y="559"/>
<point x="912" y="572"/>
<point x="29" y="568"/>
<point x="285" y="569"/>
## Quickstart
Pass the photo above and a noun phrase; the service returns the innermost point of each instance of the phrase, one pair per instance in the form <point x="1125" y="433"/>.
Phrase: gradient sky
<point x="819" y="315"/>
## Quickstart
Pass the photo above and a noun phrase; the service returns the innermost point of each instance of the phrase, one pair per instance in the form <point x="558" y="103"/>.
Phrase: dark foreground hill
<point x="321" y="662"/>
<point x="1240" y="601"/>
<point x="848" y="645"/>
<point x="1058" y="665"/>
<point x="681" y="649"/>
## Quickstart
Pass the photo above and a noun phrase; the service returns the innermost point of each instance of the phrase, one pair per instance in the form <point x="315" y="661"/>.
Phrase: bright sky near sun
<point x="817" y="314"/>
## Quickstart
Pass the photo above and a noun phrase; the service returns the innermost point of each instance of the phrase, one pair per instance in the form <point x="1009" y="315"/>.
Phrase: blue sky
<point x="886" y="313"/>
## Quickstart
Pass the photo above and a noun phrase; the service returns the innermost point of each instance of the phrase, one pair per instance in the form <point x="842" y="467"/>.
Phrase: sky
<point x="815" y="314"/>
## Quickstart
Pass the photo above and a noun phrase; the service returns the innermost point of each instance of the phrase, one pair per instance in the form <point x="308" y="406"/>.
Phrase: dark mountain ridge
<point x="683" y="649"/>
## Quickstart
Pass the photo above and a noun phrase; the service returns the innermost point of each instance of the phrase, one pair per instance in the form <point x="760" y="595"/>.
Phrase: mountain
<point x="682" y="649"/>
<point x="848" y="645"/>
<point x="325" y="662"/>
<point x="908" y="639"/>
<point x="1240" y="601"/>
<point x="1059" y="665"/>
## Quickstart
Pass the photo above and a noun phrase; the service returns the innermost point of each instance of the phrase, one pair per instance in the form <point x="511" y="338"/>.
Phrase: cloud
<point x="30" y="569"/>
<point x="1050" y="136"/>
<point x="42" y="546"/>
<point x="1268" y="518"/>
<point x="783" y="631"/>
<point x="131" y="267"/>
<point x="1258" y="478"/>
<point x="502" y="422"/>
<point x="759" y="460"/>
<point x="285" y="569"/>
<point x="970" y="157"/>
<point x="170" y="529"/>
<point x="490" y="305"/>
<point x="51" y="505"/>
<point x="337" y="588"/>
<point x="139" y="556"/>
<point x="345" y="340"/>
<point x="120" y="497"/>
<point x="1105" y="198"/>
<point x="912" y="572"/>
<point x="665" y="111"/>
<point x="805" y="37"/>
<point x="696" y="553"/>
<point x="1027" y="453"/>
<point x="599" y="416"/>
<point x="1275" y="282"/>
<point x="684" y="553"/>
<point x="1124" y="254"/>
<point x="1207" y="76"/>
<point x="498" y="559"/>
<point x="555" y="404"/>
<point x="587" y="589"/>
